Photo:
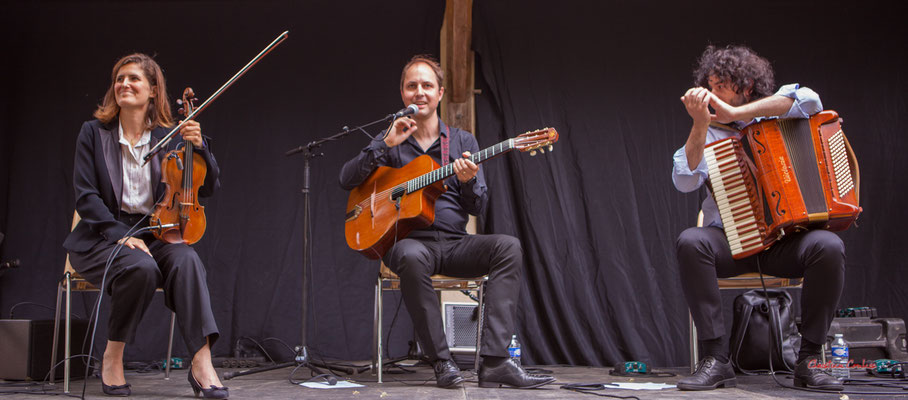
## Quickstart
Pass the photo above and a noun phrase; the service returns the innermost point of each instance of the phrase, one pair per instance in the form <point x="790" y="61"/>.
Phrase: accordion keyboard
<point x="735" y="193"/>
<point x="841" y="168"/>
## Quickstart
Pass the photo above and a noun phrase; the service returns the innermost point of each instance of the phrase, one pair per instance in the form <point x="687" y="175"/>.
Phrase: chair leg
<point x="378" y="328"/>
<point x="53" y="350"/>
<point x="173" y="320"/>
<point x="374" y="328"/>
<point x="66" y="336"/>
<point x="481" y="291"/>
<point x="694" y="356"/>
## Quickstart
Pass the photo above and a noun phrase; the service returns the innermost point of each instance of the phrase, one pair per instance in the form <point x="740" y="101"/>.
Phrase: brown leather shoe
<point x="510" y="374"/>
<point x="447" y="375"/>
<point x="809" y="375"/>
<point x="709" y="375"/>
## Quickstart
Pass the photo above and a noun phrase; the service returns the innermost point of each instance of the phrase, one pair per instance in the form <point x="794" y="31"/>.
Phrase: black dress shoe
<point x="118" y="390"/>
<point x="510" y="374"/>
<point x="447" y="375"/>
<point x="709" y="375"/>
<point x="808" y="374"/>
<point x="213" y="392"/>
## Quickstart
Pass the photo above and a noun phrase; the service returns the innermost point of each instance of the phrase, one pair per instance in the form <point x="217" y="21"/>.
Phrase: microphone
<point x="164" y="226"/>
<point x="179" y="162"/>
<point x="410" y="110"/>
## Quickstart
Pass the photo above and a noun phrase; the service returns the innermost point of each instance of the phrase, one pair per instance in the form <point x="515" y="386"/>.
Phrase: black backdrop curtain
<point x="597" y="217"/>
<point x="340" y="66"/>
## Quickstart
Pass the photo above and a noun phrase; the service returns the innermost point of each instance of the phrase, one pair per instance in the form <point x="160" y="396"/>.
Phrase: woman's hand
<point x="135" y="243"/>
<point x="192" y="132"/>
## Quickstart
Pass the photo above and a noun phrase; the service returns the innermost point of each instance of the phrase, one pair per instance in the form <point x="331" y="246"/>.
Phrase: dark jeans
<point x="423" y="254"/>
<point x="818" y="256"/>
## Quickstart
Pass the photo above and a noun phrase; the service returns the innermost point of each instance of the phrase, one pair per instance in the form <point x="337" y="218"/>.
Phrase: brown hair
<point x="158" y="114"/>
<point x="738" y="66"/>
<point x="428" y="60"/>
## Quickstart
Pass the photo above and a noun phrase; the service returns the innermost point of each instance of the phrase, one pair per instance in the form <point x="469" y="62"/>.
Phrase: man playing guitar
<point x="444" y="247"/>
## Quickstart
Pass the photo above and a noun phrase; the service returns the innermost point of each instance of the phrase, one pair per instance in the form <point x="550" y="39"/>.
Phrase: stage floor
<point x="419" y="384"/>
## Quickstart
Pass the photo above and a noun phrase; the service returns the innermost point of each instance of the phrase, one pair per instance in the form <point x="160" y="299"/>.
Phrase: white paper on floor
<point x="638" y="386"/>
<point x="339" y="385"/>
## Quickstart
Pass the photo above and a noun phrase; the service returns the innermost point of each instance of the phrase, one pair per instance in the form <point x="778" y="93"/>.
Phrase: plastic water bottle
<point x="839" y="357"/>
<point x="514" y="349"/>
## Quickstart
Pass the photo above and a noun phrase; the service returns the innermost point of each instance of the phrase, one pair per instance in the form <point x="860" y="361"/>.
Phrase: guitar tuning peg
<point x="180" y="110"/>
<point x="551" y="148"/>
<point x="180" y="102"/>
<point x="541" y="150"/>
<point x="532" y="153"/>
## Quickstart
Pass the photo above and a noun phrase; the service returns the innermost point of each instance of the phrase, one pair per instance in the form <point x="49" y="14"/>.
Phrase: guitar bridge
<point x="355" y="212"/>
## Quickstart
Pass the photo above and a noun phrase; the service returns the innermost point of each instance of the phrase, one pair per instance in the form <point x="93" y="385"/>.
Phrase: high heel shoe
<point x="213" y="393"/>
<point x="118" y="390"/>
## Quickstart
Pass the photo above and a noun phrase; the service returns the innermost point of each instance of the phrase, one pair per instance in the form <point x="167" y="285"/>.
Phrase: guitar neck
<point x="447" y="170"/>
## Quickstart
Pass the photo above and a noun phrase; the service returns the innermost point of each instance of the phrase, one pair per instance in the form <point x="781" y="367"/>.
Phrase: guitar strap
<point x="445" y="150"/>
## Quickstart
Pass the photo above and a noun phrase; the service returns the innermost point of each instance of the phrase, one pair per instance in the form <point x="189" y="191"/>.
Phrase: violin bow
<point x="198" y="110"/>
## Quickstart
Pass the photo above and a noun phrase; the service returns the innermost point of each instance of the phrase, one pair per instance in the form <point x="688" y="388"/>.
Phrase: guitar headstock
<point x="536" y="140"/>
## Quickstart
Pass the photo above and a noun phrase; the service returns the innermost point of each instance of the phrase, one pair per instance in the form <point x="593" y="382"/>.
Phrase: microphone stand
<point x="302" y="358"/>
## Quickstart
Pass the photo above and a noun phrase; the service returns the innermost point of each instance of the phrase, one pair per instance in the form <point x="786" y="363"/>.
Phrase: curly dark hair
<point x="739" y="66"/>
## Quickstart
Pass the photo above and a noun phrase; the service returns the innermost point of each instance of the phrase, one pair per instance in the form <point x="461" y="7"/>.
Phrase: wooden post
<point x="458" y="106"/>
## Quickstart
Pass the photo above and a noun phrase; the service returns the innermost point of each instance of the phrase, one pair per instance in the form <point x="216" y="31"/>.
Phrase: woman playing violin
<point x="114" y="193"/>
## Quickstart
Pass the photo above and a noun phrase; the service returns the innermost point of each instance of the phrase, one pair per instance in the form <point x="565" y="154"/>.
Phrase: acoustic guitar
<point x="392" y="202"/>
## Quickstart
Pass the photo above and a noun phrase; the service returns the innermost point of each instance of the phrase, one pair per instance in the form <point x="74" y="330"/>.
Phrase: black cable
<point x="259" y="345"/>
<point x="470" y="294"/>
<point x="53" y="367"/>
<point x="281" y="342"/>
<point x="400" y="301"/>
<point x="43" y="391"/>
<point x="771" y="345"/>
<point x="290" y="377"/>
<point x="591" y="388"/>
<point x="13" y="308"/>
<point x="97" y="308"/>
<point x="401" y="298"/>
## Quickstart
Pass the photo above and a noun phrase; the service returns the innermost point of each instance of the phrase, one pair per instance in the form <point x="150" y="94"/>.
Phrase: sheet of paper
<point x="339" y="385"/>
<point x="638" y="386"/>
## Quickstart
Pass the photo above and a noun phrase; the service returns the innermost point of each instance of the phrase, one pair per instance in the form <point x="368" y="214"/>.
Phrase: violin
<point x="180" y="205"/>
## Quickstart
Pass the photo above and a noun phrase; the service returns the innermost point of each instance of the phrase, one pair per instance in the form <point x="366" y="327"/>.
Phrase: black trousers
<point x="818" y="256"/>
<point x="423" y="254"/>
<point x="133" y="278"/>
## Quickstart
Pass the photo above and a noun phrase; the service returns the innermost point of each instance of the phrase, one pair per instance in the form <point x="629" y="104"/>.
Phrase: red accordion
<point x="783" y="176"/>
